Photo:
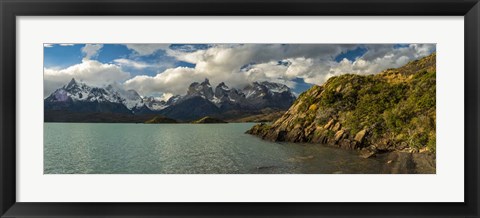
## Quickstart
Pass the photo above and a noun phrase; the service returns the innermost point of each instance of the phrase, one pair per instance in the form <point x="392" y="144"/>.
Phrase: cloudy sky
<point x="168" y="69"/>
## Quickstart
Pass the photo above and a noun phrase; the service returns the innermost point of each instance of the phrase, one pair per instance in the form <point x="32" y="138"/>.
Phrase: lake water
<point x="102" y="148"/>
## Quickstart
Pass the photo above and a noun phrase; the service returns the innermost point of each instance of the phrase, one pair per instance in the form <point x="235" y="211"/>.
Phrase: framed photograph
<point x="258" y="108"/>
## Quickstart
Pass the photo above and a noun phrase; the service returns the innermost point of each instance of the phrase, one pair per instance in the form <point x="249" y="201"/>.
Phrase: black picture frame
<point x="10" y="9"/>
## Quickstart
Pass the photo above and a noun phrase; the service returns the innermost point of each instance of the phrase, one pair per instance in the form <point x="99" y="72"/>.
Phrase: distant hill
<point x="394" y="110"/>
<point x="160" y="119"/>
<point x="209" y="120"/>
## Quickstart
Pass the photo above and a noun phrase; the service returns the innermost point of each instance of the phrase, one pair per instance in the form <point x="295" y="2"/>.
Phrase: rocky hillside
<point x="390" y="111"/>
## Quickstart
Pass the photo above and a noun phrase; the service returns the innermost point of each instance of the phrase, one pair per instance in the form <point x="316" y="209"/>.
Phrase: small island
<point x="160" y="119"/>
<point x="208" y="119"/>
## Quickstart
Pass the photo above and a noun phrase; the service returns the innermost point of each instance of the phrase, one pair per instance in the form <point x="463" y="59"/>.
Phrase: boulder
<point x="336" y="127"/>
<point x="360" y="135"/>
<point x="339" y="135"/>
<point x="309" y="130"/>
<point x="423" y="150"/>
<point x="329" y="124"/>
<point x="367" y="153"/>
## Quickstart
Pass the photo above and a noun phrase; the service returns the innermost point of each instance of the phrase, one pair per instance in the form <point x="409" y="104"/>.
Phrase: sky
<point x="163" y="70"/>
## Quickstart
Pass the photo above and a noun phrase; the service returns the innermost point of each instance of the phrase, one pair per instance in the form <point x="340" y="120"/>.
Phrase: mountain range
<point x="199" y="101"/>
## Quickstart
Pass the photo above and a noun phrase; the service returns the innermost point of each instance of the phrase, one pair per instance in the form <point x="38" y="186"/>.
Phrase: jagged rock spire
<point x="206" y="81"/>
<point x="71" y="83"/>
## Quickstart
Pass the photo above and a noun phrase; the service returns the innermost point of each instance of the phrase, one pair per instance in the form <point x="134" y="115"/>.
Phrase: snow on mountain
<point x="203" y="90"/>
<point x="275" y="87"/>
<point x="174" y="99"/>
<point x="129" y="98"/>
<point x="154" y="103"/>
<point x="74" y="90"/>
<point x="254" y="96"/>
<point x="81" y="92"/>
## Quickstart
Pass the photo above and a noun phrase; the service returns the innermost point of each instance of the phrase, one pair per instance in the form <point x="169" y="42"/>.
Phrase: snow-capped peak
<point x="115" y="93"/>
<point x="223" y="86"/>
<point x="76" y="90"/>
<point x="203" y="90"/>
<point x="257" y="94"/>
<point x="275" y="87"/>
<point x="130" y="98"/>
<point x="155" y="103"/>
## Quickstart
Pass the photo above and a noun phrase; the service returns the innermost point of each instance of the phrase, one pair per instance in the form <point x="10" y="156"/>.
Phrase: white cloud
<point x="223" y="63"/>
<point x="89" y="71"/>
<point x="49" y="45"/>
<point x="146" y="49"/>
<point x="131" y="63"/>
<point x="313" y="63"/>
<point x="375" y="60"/>
<point x="238" y="65"/>
<point x="91" y="50"/>
<point x="173" y="80"/>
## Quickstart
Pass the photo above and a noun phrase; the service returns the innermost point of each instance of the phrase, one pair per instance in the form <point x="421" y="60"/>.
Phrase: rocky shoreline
<point x="398" y="159"/>
<point x="390" y="116"/>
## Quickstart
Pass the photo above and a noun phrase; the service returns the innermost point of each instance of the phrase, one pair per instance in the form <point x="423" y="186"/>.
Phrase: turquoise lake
<point x="101" y="148"/>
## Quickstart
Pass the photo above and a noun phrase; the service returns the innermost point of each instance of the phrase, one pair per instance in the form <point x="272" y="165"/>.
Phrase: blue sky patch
<point x="189" y="47"/>
<point x="59" y="56"/>
<point x="110" y="52"/>
<point x="351" y="55"/>
<point x="396" y="46"/>
<point x="301" y="86"/>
